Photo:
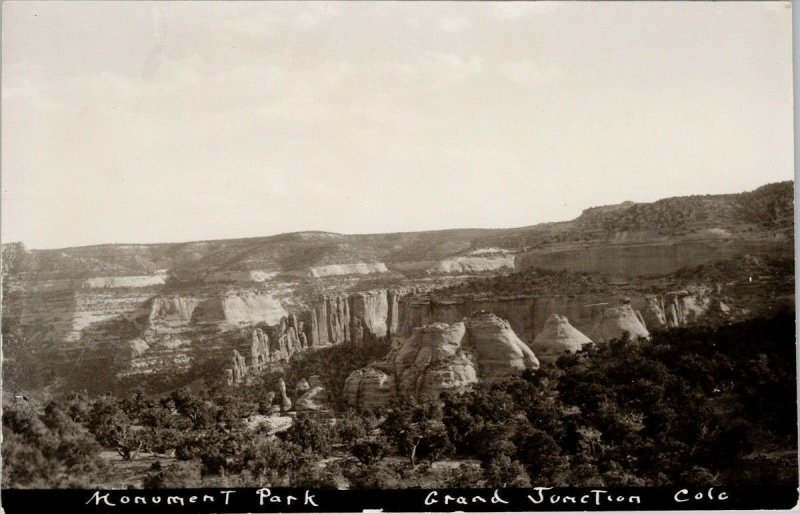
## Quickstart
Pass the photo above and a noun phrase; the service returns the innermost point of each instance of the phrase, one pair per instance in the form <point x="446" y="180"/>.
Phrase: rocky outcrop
<point x="362" y="316"/>
<point x="269" y="424"/>
<point x="497" y="347"/>
<point x="285" y="402"/>
<point x="557" y="338"/>
<point x="246" y="307"/>
<point x="372" y="310"/>
<point x="172" y="308"/>
<point x="615" y="322"/>
<point x="131" y="281"/>
<point x="593" y="314"/>
<point x="369" y="387"/>
<point x="440" y="357"/>
<point x="238" y="368"/>
<point x="259" y="348"/>
<point x="433" y="360"/>
<point x="473" y="264"/>
<point x="682" y="308"/>
<point x="240" y="277"/>
<point x="315" y="398"/>
<point x="291" y="340"/>
<point x="357" y="268"/>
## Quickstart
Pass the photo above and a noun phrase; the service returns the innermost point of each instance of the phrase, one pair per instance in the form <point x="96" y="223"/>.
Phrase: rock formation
<point x="259" y="348"/>
<point x="173" y="308"/>
<point x="239" y="368"/>
<point x="286" y="403"/>
<point x="615" y="322"/>
<point x="246" y="307"/>
<point x="440" y="357"/>
<point x="557" y="338"/>
<point x="289" y="341"/>
<point x="498" y="348"/>
<point x="358" y="268"/>
<point x="315" y="398"/>
<point x="473" y="264"/>
<point x="370" y="387"/>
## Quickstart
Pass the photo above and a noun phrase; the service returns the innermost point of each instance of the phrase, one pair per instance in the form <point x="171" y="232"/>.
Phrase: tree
<point x="504" y="472"/>
<point x="112" y="428"/>
<point x="353" y="426"/>
<point x="201" y="413"/>
<point x="177" y="475"/>
<point x="369" y="450"/>
<point x="45" y="448"/>
<point x="310" y="434"/>
<point x="543" y="457"/>
<point x="416" y="427"/>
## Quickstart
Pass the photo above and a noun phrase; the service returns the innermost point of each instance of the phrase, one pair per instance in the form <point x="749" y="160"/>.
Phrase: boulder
<point x="271" y="423"/>
<point x="557" y="338"/>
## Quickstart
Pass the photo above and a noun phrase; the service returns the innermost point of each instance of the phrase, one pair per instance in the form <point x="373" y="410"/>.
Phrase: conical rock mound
<point x="556" y="338"/>
<point x="441" y="357"/>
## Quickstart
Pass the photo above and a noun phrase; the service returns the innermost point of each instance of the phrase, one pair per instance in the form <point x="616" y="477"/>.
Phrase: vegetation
<point x="334" y="364"/>
<point x="694" y="406"/>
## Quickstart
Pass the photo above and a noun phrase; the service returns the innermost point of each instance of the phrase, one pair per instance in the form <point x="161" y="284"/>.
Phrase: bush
<point x="310" y="434"/>
<point x="369" y="450"/>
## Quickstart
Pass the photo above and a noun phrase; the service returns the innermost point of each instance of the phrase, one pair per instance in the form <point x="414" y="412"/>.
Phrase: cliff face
<point x="440" y="357"/>
<point x="239" y="308"/>
<point x="358" y="268"/>
<point x="134" y="311"/>
<point x="138" y="331"/>
<point x="473" y="264"/>
<point x="356" y="317"/>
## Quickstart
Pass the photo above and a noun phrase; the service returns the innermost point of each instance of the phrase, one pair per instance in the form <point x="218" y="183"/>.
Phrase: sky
<point x="136" y="122"/>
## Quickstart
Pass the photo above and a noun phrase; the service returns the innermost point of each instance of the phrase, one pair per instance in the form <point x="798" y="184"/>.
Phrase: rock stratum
<point x="441" y="357"/>
<point x="91" y="317"/>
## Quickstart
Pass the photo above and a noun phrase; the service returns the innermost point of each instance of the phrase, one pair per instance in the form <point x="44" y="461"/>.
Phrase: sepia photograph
<point x="403" y="256"/>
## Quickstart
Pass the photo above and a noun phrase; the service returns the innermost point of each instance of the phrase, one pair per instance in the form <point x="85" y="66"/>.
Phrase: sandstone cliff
<point x="358" y="268"/>
<point x="239" y="308"/>
<point x="440" y="357"/>
<point x="473" y="264"/>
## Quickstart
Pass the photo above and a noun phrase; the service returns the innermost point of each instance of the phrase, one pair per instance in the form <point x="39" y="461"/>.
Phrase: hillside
<point x="762" y="215"/>
<point x="103" y="316"/>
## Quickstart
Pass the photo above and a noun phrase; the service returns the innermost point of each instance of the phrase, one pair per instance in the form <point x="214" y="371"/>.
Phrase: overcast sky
<point x="143" y="122"/>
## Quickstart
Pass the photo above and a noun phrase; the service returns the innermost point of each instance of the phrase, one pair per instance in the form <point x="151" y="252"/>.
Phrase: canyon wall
<point x="88" y="334"/>
<point x="598" y="316"/>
